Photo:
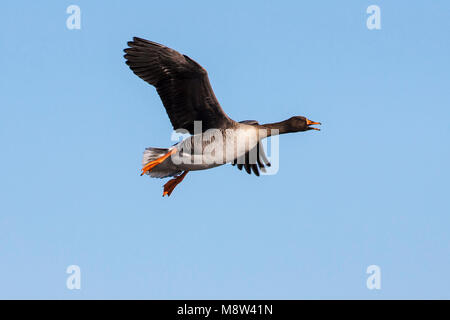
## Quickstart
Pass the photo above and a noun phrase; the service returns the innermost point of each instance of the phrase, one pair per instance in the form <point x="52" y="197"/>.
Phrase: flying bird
<point x="190" y="103"/>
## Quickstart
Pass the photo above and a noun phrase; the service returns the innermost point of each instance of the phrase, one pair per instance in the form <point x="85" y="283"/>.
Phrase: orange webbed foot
<point x="172" y="183"/>
<point x="149" y="166"/>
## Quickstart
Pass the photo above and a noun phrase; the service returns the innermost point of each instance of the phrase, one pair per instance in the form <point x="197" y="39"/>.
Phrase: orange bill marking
<point x="309" y="122"/>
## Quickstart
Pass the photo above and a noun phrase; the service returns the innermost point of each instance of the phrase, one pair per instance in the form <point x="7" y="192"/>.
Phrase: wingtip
<point x="134" y="42"/>
<point x="141" y="40"/>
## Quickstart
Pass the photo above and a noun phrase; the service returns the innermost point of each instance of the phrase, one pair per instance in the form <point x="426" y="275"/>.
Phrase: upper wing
<point x="246" y="161"/>
<point x="181" y="83"/>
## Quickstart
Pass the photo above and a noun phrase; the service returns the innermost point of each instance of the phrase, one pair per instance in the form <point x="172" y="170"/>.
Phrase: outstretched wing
<point x="181" y="83"/>
<point x="246" y="161"/>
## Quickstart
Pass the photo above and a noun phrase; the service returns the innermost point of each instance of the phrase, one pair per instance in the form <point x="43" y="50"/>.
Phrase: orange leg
<point x="149" y="166"/>
<point x="172" y="183"/>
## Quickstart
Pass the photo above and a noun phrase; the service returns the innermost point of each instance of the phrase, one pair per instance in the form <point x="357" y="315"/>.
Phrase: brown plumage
<point x="187" y="96"/>
<point x="182" y="84"/>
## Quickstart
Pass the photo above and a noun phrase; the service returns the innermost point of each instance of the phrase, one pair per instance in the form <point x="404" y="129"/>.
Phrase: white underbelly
<point x="214" y="148"/>
<point x="196" y="166"/>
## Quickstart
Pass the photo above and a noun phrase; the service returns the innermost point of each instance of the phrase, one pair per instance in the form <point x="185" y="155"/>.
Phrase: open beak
<point x="309" y="122"/>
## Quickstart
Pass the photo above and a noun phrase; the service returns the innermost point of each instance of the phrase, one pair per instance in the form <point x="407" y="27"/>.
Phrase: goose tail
<point x="162" y="170"/>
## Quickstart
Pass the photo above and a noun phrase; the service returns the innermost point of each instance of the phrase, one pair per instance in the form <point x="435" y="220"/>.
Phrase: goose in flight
<point x="192" y="107"/>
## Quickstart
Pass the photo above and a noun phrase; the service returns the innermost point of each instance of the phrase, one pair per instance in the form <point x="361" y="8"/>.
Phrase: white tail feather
<point x="163" y="170"/>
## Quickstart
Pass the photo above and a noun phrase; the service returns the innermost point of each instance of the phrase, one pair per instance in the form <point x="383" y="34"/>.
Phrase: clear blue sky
<point x="371" y="188"/>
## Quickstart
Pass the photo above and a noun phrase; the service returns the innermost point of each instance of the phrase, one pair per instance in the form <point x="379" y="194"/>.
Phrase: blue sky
<point x="372" y="188"/>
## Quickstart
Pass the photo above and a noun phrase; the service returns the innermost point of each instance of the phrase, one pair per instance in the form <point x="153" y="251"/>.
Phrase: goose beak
<point x="309" y="122"/>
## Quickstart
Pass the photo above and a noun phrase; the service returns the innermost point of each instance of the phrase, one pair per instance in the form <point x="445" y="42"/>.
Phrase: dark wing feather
<point x="181" y="83"/>
<point x="247" y="163"/>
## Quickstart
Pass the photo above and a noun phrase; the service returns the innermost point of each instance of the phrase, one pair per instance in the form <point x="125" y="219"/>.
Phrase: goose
<point x="213" y="138"/>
